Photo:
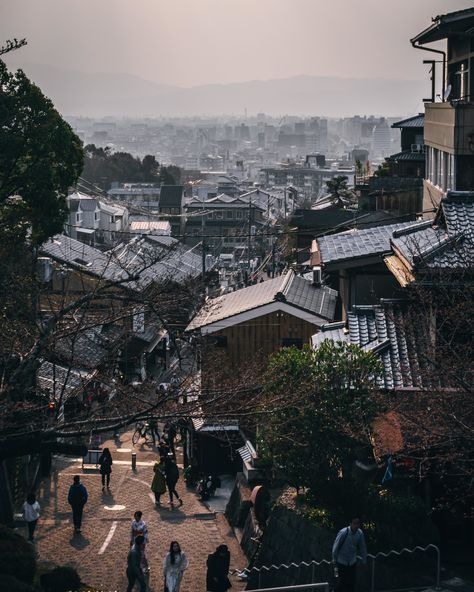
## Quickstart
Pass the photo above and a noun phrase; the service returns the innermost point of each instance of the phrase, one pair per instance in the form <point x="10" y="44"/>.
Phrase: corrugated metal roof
<point x="289" y="288"/>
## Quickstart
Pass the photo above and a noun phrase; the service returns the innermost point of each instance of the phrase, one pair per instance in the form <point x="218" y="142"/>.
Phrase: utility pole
<point x="250" y="231"/>
<point x="203" y="226"/>
<point x="285" y="202"/>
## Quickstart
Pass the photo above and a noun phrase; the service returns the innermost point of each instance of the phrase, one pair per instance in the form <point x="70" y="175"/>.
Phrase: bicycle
<point x="142" y="430"/>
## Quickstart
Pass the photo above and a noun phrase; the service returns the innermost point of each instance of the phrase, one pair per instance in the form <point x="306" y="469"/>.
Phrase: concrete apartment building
<point x="449" y="123"/>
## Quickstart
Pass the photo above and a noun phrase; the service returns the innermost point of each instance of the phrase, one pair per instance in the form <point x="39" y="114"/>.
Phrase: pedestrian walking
<point x="155" y="433"/>
<point x="105" y="463"/>
<point x="170" y="435"/>
<point x="158" y="485"/>
<point x="138" y="528"/>
<point x="77" y="499"/>
<point x="31" y="513"/>
<point x="217" y="578"/>
<point x="174" y="565"/>
<point x="134" y="566"/>
<point x="172" y="476"/>
<point x="349" y="543"/>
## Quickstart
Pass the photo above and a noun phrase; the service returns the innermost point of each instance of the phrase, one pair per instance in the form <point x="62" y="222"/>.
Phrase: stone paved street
<point x="99" y="553"/>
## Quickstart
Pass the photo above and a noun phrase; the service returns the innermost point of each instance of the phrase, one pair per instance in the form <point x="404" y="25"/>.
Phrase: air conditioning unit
<point x="317" y="276"/>
<point x="417" y="148"/>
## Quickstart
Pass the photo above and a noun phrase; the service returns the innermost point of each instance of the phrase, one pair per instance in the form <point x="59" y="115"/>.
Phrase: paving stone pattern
<point x="102" y="567"/>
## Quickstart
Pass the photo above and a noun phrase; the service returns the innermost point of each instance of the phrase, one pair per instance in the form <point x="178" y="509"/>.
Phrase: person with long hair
<point x="174" y="565"/>
<point x="105" y="462"/>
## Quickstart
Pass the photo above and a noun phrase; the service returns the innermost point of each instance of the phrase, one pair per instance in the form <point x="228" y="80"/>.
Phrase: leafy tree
<point x="338" y="189"/>
<point x="40" y="156"/>
<point x="327" y="404"/>
<point x="103" y="167"/>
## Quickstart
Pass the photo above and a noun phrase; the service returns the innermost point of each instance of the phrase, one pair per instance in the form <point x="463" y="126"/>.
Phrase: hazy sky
<point x="191" y="42"/>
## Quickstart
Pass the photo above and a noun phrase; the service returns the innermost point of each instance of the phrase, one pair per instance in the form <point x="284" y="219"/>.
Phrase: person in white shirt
<point x="174" y="565"/>
<point x="348" y="546"/>
<point x="31" y="512"/>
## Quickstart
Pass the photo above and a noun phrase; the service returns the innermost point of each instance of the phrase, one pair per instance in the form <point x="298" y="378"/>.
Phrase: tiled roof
<point x="398" y="337"/>
<point x="55" y="380"/>
<point x="408" y="155"/>
<point x="289" y="288"/>
<point x="357" y="243"/>
<point x="87" y="348"/>
<point x="415" y="121"/>
<point x="448" y="243"/>
<point x="146" y="257"/>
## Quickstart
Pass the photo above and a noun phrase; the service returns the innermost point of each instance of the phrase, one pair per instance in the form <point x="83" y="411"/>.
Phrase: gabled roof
<point x="146" y="260"/>
<point x="446" y="25"/>
<point x="446" y="243"/>
<point x="112" y="210"/>
<point x="398" y="336"/>
<point x="417" y="121"/>
<point x="55" y="380"/>
<point x="357" y="243"/>
<point x="290" y="289"/>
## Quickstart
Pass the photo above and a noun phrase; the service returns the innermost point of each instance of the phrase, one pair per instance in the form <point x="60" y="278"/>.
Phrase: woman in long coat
<point x="105" y="463"/>
<point x="158" y="485"/>
<point x="173" y="567"/>
<point x="218" y="569"/>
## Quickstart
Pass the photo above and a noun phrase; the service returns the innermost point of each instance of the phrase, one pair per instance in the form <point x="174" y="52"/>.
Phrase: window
<point x="451" y="182"/>
<point x="229" y="214"/>
<point x="218" y="215"/>
<point x="292" y="342"/>
<point x="238" y="215"/>
<point x="220" y="340"/>
<point x="96" y="216"/>
<point x="78" y="217"/>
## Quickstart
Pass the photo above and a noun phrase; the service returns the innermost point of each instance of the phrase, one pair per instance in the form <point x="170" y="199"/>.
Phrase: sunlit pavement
<point x="99" y="552"/>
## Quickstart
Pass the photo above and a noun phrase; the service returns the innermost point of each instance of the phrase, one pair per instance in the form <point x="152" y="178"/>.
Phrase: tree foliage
<point x="329" y="400"/>
<point x="103" y="167"/>
<point x="339" y="191"/>
<point x="40" y="156"/>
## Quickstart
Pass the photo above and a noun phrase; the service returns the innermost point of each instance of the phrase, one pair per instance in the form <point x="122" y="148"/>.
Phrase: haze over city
<point x="141" y="58"/>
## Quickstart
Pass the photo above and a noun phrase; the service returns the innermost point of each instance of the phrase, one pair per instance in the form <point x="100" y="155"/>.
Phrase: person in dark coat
<point x="134" y="566"/>
<point x="105" y="462"/>
<point x="77" y="499"/>
<point x="172" y="476"/>
<point x="218" y="563"/>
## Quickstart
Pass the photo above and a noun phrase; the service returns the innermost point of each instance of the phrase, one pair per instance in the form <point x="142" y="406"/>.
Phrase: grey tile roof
<point x="415" y="121"/>
<point x="448" y="243"/>
<point x="87" y="347"/>
<point x="399" y="337"/>
<point x="357" y="243"/>
<point x="408" y="155"/>
<point x="54" y="380"/>
<point x="289" y="288"/>
<point x="150" y="260"/>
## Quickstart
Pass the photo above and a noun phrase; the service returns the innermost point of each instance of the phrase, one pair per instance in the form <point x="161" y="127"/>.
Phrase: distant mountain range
<point x="78" y="93"/>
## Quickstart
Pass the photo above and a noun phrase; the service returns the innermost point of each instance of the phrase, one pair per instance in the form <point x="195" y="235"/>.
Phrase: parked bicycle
<point x="142" y="431"/>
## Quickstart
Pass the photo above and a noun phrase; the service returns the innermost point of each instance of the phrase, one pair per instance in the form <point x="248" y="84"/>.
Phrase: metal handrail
<point x="401" y="552"/>
<point x="313" y="563"/>
<point x="324" y="585"/>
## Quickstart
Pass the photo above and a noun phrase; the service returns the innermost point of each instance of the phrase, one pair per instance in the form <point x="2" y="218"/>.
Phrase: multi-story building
<point x="172" y="207"/>
<point x="449" y="122"/>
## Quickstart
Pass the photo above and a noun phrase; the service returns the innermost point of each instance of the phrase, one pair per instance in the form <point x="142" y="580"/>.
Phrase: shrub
<point x="61" y="579"/>
<point x="17" y="557"/>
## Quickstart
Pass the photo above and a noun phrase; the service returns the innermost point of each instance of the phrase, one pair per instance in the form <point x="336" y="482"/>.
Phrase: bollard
<point x="134" y="461"/>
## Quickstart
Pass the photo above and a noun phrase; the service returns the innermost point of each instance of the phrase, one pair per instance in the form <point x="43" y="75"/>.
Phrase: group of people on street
<point x="166" y="476"/>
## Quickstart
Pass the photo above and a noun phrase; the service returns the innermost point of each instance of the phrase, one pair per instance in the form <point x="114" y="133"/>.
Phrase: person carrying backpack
<point x="349" y="543"/>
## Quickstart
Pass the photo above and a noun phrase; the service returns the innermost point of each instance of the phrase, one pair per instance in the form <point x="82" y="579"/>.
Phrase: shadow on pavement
<point x="78" y="541"/>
